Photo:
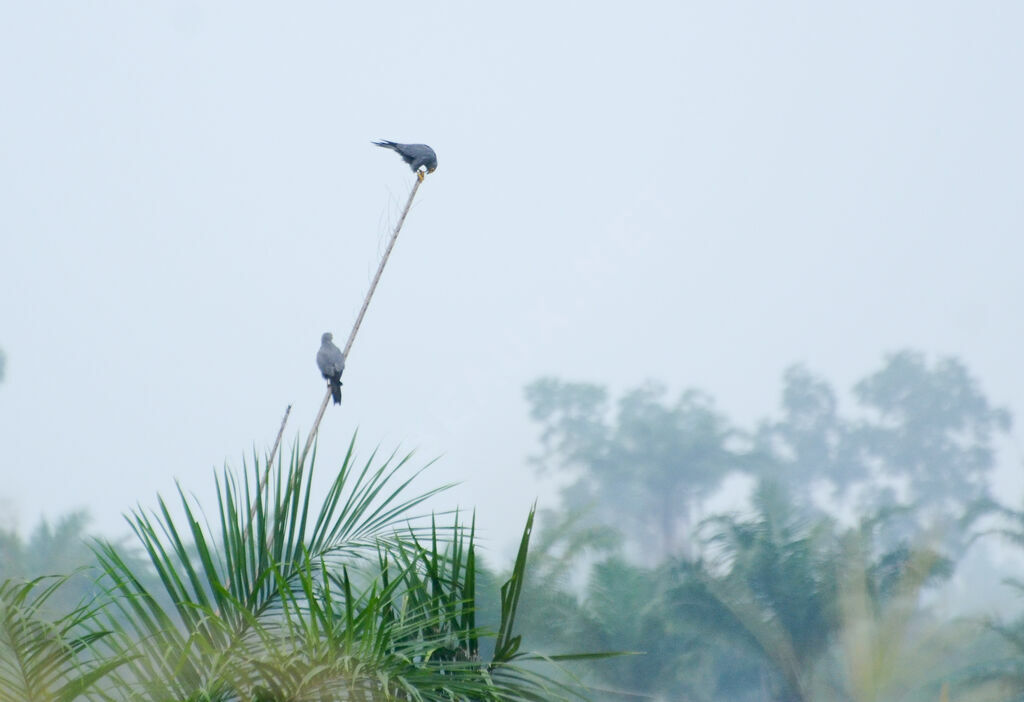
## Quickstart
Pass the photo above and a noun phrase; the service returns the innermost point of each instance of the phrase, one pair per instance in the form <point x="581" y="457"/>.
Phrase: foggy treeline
<point x="824" y="580"/>
<point x="826" y="583"/>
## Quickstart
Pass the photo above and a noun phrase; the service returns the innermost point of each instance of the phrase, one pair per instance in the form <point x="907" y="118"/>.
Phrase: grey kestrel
<point x="331" y="362"/>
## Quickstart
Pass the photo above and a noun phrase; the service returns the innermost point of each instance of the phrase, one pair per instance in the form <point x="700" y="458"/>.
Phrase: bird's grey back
<point x="422" y="156"/>
<point x="416" y="155"/>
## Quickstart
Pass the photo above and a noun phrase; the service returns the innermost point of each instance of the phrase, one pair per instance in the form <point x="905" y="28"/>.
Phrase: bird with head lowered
<point x="418" y="156"/>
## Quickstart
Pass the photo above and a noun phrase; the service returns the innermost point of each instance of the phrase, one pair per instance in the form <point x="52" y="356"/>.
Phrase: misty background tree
<point x="922" y="434"/>
<point x="782" y="599"/>
<point x="644" y="469"/>
<point x="932" y="427"/>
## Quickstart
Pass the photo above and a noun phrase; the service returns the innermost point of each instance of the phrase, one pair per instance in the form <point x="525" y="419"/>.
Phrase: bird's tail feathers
<point x="386" y="144"/>
<point x="336" y="390"/>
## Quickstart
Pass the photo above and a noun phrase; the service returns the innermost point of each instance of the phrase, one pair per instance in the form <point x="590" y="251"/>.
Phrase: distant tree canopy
<point x="642" y="470"/>
<point x="51" y="549"/>
<point x="934" y="427"/>
<point x="922" y="433"/>
<point x="923" y="430"/>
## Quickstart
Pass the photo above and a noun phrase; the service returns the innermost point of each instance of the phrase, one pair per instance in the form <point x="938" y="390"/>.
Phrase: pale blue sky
<point x="701" y="193"/>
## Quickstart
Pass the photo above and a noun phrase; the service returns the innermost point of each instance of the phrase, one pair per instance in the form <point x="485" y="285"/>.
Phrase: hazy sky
<point x="701" y="193"/>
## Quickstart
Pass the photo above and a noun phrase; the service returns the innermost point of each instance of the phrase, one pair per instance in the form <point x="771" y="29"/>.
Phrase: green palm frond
<point x="46" y="659"/>
<point x="287" y="596"/>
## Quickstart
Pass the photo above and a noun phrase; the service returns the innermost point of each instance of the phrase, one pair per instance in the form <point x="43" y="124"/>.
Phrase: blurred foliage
<point x="934" y="427"/>
<point x="780" y="604"/>
<point x="47" y="550"/>
<point x="1006" y="670"/>
<point x="922" y="434"/>
<point x="60" y="548"/>
<point x="779" y="601"/>
<point x="676" y="454"/>
<point x="42" y="657"/>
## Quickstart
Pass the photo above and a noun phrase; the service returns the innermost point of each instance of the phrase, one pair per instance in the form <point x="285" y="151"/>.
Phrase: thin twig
<point x="266" y="472"/>
<point x="316" y="426"/>
<point x="263" y="480"/>
<point x="273" y="453"/>
<point x="362" y="313"/>
<point x="380" y="269"/>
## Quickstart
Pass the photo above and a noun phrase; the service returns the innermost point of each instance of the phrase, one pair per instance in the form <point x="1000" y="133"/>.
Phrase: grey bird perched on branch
<point x="331" y="362"/>
<point x="416" y="155"/>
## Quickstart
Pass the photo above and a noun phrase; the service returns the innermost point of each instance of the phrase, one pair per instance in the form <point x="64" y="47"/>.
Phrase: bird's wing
<point x="337" y="359"/>
<point x="323" y="361"/>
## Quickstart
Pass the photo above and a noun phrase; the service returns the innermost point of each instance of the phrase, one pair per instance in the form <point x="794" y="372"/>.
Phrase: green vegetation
<point x="283" y="597"/>
<point x="823" y="585"/>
